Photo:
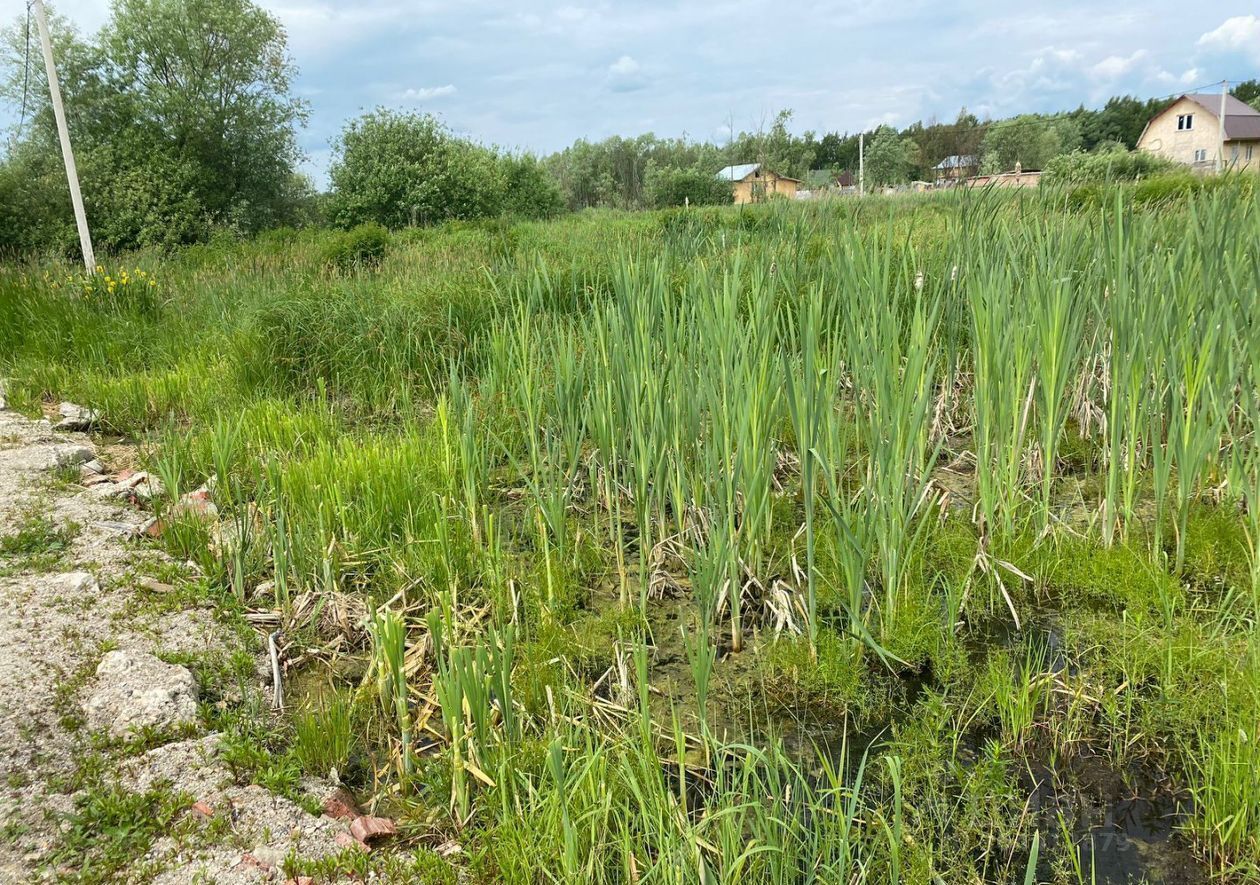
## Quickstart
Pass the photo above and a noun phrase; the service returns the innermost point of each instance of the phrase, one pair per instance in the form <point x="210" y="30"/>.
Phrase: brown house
<point x="1189" y="131"/>
<point x="752" y="183"/>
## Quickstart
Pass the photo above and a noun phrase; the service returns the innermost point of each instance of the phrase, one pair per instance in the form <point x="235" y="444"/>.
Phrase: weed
<point x="324" y="737"/>
<point x="39" y="544"/>
<point x="111" y="828"/>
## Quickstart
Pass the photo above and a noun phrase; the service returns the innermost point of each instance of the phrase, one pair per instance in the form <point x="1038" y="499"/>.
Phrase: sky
<point x="536" y="76"/>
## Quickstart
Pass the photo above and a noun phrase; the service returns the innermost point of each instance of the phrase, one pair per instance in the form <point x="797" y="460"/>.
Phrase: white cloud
<point x="428" y="92"/>
<point x="1062" y="56"/>
<point x="572" y="13"/>
<point x="1242" y="33"/>
<point x="1117" y="65"/>
<point x="626" y="75"/>
<point x="624" y="67"/>
<point x="322" y="26"/>
<point x="1186" y="78"/>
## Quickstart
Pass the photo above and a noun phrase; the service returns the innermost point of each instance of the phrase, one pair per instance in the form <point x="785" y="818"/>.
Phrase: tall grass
<point x="703" y="430"/>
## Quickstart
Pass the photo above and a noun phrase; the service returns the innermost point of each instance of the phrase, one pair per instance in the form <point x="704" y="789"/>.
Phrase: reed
<point x="389" y="648"/>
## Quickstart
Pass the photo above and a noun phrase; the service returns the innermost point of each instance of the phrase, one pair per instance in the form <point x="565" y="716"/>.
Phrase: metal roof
<point x="1241" y="120"/>
<point x="957" y="161"/>
<point x="739" y="172"/>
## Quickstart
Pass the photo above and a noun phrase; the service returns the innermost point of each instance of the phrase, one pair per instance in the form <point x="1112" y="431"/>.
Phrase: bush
<point x="400" y="169"/>
<point x="671" y="186"/>
<point x="361" y="247"/>
<point x="530" y="191"/>
<point x="1086" y="196"/>
<point x="1079" y="167"/>
<point x="1165" y="188"/>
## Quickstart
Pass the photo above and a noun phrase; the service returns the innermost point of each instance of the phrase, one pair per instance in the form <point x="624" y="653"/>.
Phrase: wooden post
<point x="63" y="132"/>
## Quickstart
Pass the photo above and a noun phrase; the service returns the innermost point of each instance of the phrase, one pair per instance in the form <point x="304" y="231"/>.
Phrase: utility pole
<point x="63" y="132"/>
<point x="1220" y="127"/>
<point x="861" y="164"/>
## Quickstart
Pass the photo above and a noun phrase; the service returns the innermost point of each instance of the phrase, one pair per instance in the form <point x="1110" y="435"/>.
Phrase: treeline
<point x="621" y="172"/>
<point x="184" y="123"/>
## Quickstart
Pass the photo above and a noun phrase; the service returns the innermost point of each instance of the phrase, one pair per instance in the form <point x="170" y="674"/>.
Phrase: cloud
<point x="624" y="67"/>
<point x="1240" y="33"/>
<point x="1114" y="66"/>
<point x="323" y="26"/>
<point x="427" y="93"/>
<point x="626" y="75"/>
<point x="1185" y="78"/>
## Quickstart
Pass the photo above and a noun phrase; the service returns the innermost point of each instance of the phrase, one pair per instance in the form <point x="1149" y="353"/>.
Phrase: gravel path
<point x="58" y="618"/>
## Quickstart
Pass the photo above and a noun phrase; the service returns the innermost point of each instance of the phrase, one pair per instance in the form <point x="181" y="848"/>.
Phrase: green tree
<point x="1247" y="91"/>
<point x="1029" y="140"/>
<point x="1120" y="120"/>
<point x="181" y="114"/>
<point x="889" y="157"/>
<point x="207" y="83"/>
<point x="529" y="189"/>
<point x="785" y="153"/>
<point x="403" y="168"/>
<point x="615" y="172"/>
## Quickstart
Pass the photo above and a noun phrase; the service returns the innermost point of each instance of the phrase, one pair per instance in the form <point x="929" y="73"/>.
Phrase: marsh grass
<point x="859" y="450"/>
<point x="324" y="736"/>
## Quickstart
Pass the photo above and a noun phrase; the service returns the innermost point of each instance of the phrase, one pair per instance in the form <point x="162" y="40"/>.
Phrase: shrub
<point x="361" y="247"/>
<point x="1086" y="196"/>
<point x="530" y="191"/>
<point x="1164" y="188"/>
<point x="399" y="169"/>
<point x="1079" y="167"/>
<point x="671" y="186"/>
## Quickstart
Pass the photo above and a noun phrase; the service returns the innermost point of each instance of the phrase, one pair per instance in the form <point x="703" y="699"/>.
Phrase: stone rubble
<point x="136" y="691"/>
<point x="76" y="418"/>
<point x="55" y="629"/>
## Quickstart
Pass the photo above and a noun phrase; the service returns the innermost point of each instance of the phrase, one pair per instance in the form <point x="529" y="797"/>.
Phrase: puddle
<point x="1039" y="633"/>
<point x="1124" y="827"/>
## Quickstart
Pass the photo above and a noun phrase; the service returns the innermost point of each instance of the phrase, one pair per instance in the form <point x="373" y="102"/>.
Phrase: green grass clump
<point x="1081" y="573"/>
<point x="39" y="544"/>
<point x="324" y="737"/>
<point x="361" y="248"/>
<point x="111" y="829"/>
<point x="829" y="679"/>
<point x="1217" y="550"/>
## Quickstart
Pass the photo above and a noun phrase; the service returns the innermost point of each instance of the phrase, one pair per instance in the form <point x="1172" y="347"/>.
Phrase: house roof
<point x="738" y="172"/>
<point x="1241" y="119"/>
<point x="957" y="161"/>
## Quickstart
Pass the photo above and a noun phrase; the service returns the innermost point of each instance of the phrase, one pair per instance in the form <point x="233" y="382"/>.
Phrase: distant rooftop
<point x="958" y="161"/>
<point x="738" y="172"/>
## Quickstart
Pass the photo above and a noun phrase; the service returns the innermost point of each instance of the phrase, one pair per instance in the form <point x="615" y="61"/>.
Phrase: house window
<point x="1184" y="122"/>
<point x="1200" y="156"/>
